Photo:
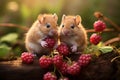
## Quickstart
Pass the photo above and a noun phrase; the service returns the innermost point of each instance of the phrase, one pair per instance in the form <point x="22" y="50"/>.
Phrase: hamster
<point x="73" y="33"/>
<point x="45" y="26"/>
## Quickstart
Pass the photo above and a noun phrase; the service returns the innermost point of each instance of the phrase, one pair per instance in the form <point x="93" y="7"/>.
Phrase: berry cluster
<point x="84" y="59"/>
<point x="63" y="49"/>
<point x="99" y="26"/>
<point x="45" y="61"/>
<point x="95" y="38"/>
<point x="60" y="61"/>
<point x="27" y="57"/>
<point x="50" y="42"/>
<point x="73" y="68"/>
<point x="49" y="76"/>
<point x="63" y="63"/>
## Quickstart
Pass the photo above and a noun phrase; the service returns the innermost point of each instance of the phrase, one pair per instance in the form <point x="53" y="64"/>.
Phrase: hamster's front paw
<point x="43" y="44"/>
<point x="74" y="48"/>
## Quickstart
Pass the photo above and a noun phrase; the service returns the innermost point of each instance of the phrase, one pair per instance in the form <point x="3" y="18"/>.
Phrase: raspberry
<point x="49" y="76"/>
<point x="95" y="38"/>
<point x="73" y="69"/>
<point x="58" y="60"/>
<point x="50" y="42"/>
<point x="45" y="61"/>
<point x="27" y="57"/>
<point x="64" y="78"/>
<point x="99" y="25"/>
<point x="63" y="49"/>
<point x="84" y="59"/>
<point x="63" y="68"/>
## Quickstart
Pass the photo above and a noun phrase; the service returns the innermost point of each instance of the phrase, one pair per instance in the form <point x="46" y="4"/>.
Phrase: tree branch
<point x="116" y="39"/>
<point x="106" y="30"/>
<point x="14" y="25"/>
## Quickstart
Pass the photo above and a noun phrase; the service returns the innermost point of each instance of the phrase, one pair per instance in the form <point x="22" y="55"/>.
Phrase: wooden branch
<point x="26" y="28"/>
<point x="14" y="25"/>
<point x="112" y="23"/>
<point x="116" y="39"/>
<point x="106" y="30"/>
<point x="99" y="15"/>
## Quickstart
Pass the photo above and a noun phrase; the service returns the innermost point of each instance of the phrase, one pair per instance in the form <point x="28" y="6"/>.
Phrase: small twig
<point x="112" y="23"/>
<point x="115" y="58"/>
<point x="116" y="39"/>
<point x="99" y="15"/>
<point x="106" y="30"/>
<point x="14" y="25"/>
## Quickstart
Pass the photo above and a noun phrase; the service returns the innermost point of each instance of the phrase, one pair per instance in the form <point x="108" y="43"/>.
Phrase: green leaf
<point x="106" y="49"/>
<point x="4" y="50"/>
<point x="100" y="44"/>
<point x="11" y="38"/>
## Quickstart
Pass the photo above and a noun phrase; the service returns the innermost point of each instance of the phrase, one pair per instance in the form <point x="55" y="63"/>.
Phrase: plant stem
<point x="60" y="74"/>
<point x="112" y="40"/>
<point x="106" y="30"/>
<point x="69" y="60"/>
<point x="54" y="69"/>
<point x="24" y="28"/>
<point x="115" y="58"/>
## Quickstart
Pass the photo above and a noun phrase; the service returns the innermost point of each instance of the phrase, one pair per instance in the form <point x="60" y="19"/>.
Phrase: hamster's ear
<point x="63" y="17"/>
<point x="55" y="16"/>
<point x="41" y="18"/>
<point x="78" y="19"/>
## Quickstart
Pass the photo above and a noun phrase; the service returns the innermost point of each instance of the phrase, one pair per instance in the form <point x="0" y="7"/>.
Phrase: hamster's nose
<point x="54" y="32"/>
<point x="66" y="32"/>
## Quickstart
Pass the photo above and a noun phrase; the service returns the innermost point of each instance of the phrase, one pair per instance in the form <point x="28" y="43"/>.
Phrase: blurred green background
<point x="25" y="12"/>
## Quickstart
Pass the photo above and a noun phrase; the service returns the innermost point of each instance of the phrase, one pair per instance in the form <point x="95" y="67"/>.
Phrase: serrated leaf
<point x="4" y="50"/>
<point x="11" y="38"/>
<point x="106" y="49"/>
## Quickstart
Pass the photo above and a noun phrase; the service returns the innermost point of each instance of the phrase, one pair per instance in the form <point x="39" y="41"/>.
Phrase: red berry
<point x="27" y="57"/>
<point x="95" y="38"/>
<point x="49" y="76"/>
<point x="50" y="42"/>
<point x="63" y="68"/>
<point x="73" y="69"/>
<point x="63" y="49"/>
<point x="84" y="59"/>
<point x="58" y="60"/>
<point x="64" y="78"/>
<point x="99" y="25"/>
<point x="45" y="61"/>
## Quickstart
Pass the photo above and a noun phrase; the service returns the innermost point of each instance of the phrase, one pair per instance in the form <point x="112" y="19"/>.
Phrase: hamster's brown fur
<point x="44" y="26"/>
<point x="73" y="33"/>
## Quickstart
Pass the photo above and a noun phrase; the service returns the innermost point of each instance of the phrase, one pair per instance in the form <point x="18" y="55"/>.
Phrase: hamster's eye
<point x="72" y="26"/>
<point x="48" y="25"/>
<point x="63" y="25"/>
